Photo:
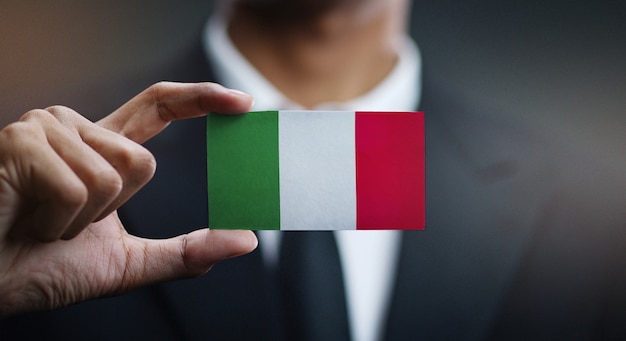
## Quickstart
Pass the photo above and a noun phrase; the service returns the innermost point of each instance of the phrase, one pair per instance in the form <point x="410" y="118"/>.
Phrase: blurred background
<point x="560" y="65"/>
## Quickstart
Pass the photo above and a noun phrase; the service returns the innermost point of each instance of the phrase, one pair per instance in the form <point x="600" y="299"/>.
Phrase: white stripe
<point x="317" y="170"/>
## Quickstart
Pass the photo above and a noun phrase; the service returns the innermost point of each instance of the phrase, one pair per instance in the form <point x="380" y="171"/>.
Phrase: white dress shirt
<point x="368" y="258"/>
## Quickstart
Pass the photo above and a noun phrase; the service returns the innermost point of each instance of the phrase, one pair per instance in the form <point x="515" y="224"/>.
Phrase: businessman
<point x="524" y="235"/>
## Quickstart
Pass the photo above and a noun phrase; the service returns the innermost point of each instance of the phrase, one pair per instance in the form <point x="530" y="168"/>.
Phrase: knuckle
<point x="156" y="92"/>
<point x="16" y="129"/>
<point x="106" y="183"/>
<point x="36" y="115"/>
<point x="51" y="115"/>
<point x="73" y="196"/>
<point x="209" y="86"/>
<point x="62" y="113"/>
<point x="20" y="136"/>
<point x="137" y="162"/>
<point x="157" y="85"/>
<point x="144" y="165"/>
<point x="59" y="110"/>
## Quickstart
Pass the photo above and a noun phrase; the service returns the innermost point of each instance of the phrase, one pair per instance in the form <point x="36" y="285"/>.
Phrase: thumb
<point x="185" y="256"/>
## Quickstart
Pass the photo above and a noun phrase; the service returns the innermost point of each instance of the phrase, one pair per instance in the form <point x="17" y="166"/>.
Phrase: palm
<point x="94" y="263"/>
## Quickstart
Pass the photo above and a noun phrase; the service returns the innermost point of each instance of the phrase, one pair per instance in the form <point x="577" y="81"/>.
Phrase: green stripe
<point x="243" y="171"/>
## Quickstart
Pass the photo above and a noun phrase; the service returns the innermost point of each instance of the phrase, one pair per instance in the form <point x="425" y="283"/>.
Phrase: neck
<point x="334" y="56"/>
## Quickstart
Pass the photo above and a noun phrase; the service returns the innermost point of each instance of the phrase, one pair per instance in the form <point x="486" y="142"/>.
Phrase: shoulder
<point x="562" y="201"/>
<point x="482" y="136"/>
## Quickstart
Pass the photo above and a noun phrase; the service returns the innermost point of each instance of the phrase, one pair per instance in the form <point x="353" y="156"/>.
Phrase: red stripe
<point x="390" y="170"/>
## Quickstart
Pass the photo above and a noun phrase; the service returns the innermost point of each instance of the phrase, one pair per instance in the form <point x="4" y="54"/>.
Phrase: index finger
<point x="148" y="113"/>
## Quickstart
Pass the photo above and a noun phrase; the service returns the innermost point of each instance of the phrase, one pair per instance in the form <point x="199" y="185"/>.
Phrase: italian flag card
<point x="316" y="170"/>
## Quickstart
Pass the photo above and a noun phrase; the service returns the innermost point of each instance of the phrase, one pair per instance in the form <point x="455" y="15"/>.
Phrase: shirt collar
<point x="399" y="91"/>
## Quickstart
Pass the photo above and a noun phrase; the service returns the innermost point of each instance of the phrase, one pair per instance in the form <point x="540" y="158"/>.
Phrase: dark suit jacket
<point x="524" y="240"/>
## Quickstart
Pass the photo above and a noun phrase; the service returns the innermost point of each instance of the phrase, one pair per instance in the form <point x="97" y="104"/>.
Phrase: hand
<point x="62" y="179"/>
